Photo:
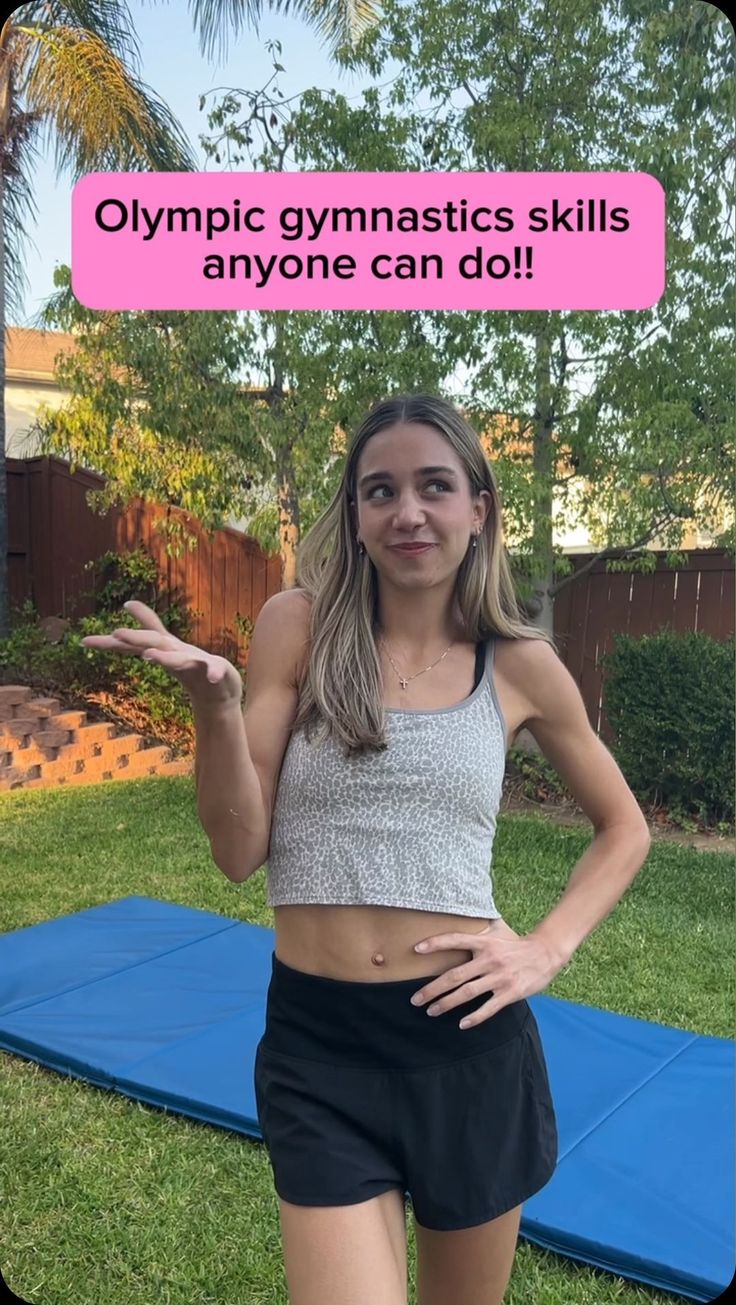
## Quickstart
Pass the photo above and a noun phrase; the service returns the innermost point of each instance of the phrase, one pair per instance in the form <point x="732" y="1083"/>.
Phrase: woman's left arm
<point x="558" y="721"/>
<point x="508" y="966"/>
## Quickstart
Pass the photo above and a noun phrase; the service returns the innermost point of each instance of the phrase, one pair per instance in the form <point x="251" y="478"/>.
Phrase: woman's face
<point x="406" y="503"/>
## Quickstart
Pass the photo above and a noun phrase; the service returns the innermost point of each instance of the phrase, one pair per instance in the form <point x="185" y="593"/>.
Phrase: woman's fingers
<point x="191" y="665"/>
<point x="145" y="615"/>
<point x="126" y="638"/>
<point x="121" y="641"/>
<point x="140" y="638"/>
<point x="100" y="641"/>
<point x="177" y="661"/>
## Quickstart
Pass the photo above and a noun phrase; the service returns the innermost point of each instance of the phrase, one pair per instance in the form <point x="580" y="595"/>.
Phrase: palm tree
<point x="341" y="22"/>
<point x="67" y="72"/>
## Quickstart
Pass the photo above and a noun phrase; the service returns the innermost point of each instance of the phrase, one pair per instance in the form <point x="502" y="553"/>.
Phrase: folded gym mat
<point x="166" y="1004"/>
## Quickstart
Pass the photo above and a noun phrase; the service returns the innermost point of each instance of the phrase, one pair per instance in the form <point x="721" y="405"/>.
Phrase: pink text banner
<point x="368" y="240"/>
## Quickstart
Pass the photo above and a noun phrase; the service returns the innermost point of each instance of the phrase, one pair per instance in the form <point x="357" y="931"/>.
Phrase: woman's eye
<point x="443" y="483"/>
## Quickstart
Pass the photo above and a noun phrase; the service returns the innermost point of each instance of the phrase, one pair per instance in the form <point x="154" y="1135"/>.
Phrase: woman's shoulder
<point x="522" y="661"/>
<point x="294" y="604"/>
<point x="284" y="620"/>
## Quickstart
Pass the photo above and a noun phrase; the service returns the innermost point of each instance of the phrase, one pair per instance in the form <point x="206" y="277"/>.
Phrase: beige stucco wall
<point x="23" y="400"/>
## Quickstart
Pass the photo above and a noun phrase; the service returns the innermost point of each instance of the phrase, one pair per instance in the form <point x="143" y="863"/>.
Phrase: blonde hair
<point x="341" y="693"/>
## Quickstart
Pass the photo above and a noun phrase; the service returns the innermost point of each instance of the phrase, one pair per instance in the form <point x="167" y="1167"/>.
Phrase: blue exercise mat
<point x="166" y="1004"/>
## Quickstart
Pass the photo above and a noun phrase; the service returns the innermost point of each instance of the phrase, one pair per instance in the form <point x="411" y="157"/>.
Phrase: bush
<point x="140" y="694"/>
<point x="535" y="776"/>
<point x="669" y="701"/>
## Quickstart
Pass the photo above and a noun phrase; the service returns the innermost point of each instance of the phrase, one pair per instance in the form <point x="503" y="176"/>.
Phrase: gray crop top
<point x="412" y="826"/>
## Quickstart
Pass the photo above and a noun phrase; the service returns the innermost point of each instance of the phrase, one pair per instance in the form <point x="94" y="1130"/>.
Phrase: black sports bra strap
<point x="480" y="661"/>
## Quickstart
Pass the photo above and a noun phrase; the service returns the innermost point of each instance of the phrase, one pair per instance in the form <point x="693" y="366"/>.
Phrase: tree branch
<point x="616" y="357"/>
<point x="684" y="512"/>
<point x="606" y="553"/>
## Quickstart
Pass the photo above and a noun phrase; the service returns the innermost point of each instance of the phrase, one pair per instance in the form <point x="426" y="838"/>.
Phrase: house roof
<point x="30" y="354"/>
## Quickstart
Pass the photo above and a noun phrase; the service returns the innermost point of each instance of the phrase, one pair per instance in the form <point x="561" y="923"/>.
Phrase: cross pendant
<point x="403" y="682"/>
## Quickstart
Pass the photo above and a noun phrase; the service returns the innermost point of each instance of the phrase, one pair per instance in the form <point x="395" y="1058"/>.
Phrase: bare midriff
<point x="371" y="944"/>
<point x="368" y="944"/>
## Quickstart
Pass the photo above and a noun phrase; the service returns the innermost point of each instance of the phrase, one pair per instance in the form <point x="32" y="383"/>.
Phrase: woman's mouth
<point x="411" y="550"/>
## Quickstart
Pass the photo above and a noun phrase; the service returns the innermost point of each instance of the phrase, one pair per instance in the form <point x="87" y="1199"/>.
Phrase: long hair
<point x="341" y="692"/>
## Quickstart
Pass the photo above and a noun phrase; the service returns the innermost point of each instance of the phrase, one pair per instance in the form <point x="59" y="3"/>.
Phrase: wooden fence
<point x="53" y="533"/>
<point x="592" y="609"/>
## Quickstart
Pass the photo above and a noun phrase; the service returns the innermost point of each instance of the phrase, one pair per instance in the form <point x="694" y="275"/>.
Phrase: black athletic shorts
<point x="358" y="1092"/>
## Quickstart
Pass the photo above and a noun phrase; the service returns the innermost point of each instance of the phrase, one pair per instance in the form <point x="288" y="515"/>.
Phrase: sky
<point x="174" y="67"/>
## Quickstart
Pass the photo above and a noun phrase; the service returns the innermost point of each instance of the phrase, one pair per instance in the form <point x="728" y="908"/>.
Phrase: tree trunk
<point x="287" y="498"/>
<point x="288" y="518"/>
<point x="4" y="595"/>
<point x="544" y="466"/>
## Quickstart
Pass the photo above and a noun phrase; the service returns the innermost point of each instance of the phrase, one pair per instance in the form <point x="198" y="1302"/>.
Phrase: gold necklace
<point x="404" y="680"/>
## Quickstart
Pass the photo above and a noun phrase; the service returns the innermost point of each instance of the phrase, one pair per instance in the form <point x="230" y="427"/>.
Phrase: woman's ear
<point x="487" y="501"/>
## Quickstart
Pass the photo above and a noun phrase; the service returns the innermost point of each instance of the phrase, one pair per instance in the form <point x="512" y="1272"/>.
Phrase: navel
<point x="377" y="958"/>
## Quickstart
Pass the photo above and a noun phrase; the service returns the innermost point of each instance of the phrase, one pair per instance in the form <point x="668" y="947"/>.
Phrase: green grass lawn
<point x="106" y="1201"/>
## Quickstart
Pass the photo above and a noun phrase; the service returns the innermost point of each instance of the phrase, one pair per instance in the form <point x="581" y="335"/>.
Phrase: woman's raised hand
<point x="208" y="679"/>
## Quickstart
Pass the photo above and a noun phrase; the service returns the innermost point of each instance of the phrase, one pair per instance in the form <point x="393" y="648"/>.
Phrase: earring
<point x="361" y="549"/>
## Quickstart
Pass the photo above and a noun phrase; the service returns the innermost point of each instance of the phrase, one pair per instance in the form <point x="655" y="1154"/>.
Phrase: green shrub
<point x="669" y="701"/>
<point x="69" y="670"/>
<point x="143" y="693"/>
<point x="536" y="776"/>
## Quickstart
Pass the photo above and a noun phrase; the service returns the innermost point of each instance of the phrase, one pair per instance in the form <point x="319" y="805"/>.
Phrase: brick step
<point x="31" y="755"/>
<point x="67" y="720"/>
<point x="18" y="777"/>
<point x="35" y="710"/>
<point x="111" y="749"/>
<point x="44" y="706"/>
<point x="86" y="739"/>
<point x="12" y="696"/>
<point x="98" y="732"/>
<point x="180" y="767"/>
<point x="9" y="741"/>
<point x="38" y="731"/>
<point x="19" y="726"/>
<point x="72" y="781"/>
<point x="97" y="770"/>
<point x="42" y="745"/>
<point x="137" y="763"/>
<point x="147" y="761"/>
<point x="49" y="736"/>
<point x="35" y="754"/>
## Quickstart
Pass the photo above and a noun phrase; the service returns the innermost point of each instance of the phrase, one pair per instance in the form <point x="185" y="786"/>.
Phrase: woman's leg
<point x="351" y="1254"/>
<point x="469" y="1266"/>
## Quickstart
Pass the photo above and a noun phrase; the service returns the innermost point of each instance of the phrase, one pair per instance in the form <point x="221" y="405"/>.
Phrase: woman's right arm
<point x="239" y="752"/>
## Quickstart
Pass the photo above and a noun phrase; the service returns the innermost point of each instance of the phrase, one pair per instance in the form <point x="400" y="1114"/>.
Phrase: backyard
<point x="109" y="1200"/>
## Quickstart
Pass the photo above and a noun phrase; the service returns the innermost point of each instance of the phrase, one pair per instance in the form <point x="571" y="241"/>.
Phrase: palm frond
<point x="99" y="116"/>
<point x="18" y="155"/>
<point x="217" y="20"/>
<point x="339" y="21"/>
<point x="109" y="19"/>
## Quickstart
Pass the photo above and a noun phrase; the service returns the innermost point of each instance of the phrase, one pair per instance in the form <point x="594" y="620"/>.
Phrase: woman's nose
<point x="408" y="509"/>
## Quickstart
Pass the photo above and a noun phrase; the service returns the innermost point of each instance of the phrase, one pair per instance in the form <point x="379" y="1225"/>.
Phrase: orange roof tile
<point x="30" y="354"/>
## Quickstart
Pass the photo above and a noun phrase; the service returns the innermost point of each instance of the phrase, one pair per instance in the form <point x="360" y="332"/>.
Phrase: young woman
<point x="383" y="693"/>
